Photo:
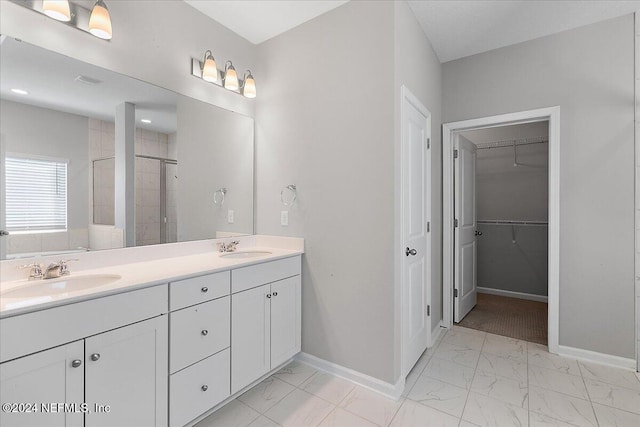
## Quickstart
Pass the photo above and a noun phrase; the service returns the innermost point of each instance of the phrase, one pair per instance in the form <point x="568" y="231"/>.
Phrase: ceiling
<point x="55" y="87"/>
<point x="258" y="21"/>
<point x="462" y="28"/>
<point x="455" y="28"/>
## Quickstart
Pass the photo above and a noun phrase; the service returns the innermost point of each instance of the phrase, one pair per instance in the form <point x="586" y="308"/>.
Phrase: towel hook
<point x="294" y="195"/>
<point x="222" y="192"/>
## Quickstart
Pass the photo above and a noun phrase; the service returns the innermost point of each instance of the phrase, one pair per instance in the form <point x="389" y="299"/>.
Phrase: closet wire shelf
<point x="512" y="143"/>
<point x="509" y="222"/>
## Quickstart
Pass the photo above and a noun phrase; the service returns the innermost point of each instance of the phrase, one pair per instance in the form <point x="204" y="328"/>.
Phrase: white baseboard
<point x="393" y="391"/>
<point x="435" y="334"/>
<point x="512" y="294"/>
<point x="595" y="357"/>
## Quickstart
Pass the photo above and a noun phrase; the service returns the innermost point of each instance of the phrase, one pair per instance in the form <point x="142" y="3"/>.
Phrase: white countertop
<point x="134" y="275"/>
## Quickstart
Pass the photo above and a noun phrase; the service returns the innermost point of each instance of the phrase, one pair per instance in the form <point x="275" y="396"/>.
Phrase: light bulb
<point x="100" y="21"/>
<point x="57" y="9"/>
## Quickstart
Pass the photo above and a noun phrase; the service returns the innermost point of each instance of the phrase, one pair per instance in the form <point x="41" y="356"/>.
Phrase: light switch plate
<point x="284" y="218"/>
<point x="230" y="216"/>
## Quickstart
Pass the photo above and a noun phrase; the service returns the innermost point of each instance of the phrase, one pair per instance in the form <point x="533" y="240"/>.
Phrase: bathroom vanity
<point x="159" y="346"/>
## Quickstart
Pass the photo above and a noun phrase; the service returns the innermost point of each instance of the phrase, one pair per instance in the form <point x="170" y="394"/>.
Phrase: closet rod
<point x="512" y="142"/>
<point x="508" y="222"/>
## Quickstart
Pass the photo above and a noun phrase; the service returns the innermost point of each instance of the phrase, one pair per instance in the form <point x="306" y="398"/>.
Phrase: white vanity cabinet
<point x="265" y="319"/>
<point x="113" y="359"/>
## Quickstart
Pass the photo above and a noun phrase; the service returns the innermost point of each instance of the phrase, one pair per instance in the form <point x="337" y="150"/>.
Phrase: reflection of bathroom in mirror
<point x="65" y="125"/>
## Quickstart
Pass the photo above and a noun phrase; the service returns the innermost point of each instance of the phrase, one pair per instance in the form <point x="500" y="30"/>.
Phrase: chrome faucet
<point x="57" y="269"/>
<point x="35" y="270"/>
<point x="227" y="246"/>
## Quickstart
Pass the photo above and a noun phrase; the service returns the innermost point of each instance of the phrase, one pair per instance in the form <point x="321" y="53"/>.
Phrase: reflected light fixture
<point x="209" y="68"/>
<point x="249" y="85"/>
<point x="57" y="9"/>
<point x="145" y="121"/>
<point x="230" y="77"/>
<point x="20" y="91"/>
<point x="100" y="21"/>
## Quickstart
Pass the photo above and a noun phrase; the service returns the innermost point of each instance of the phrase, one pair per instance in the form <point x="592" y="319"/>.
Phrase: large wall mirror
<point x="193" y="161"/>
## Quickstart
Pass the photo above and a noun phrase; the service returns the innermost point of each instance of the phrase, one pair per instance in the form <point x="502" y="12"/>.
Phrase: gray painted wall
<point x="417" y="67"/>
<point x="325" y="123"/>
<point x="59" y="135"/>
<point x="588" y="72"/>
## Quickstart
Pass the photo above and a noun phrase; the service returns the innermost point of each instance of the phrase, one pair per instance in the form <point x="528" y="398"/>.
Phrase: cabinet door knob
<point x="95" y="357"/>
<point x="275" y="294"/>
<point x="76" y="363"/>
<point x="268" y="295"/>
<point x="205" y="387"/>
<point x="204" y="332"/>
<point x="204" y="289"/>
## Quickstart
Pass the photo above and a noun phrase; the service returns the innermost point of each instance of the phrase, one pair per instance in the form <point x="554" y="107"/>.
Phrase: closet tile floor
<point x="469" y="378"/>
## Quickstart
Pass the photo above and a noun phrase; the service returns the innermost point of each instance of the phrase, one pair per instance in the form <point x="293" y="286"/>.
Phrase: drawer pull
<point x="268" y="295"/>
<point x="275" y="294"/>
<point x="95" y="357"/>
<point x="205" y="387"/>
<point x="204" y="289"/>
<point x="76" y="363"/>
<point x="204" y="332"/>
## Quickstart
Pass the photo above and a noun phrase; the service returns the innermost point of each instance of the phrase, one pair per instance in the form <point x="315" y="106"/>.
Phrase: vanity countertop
<point x="134" y="275"/>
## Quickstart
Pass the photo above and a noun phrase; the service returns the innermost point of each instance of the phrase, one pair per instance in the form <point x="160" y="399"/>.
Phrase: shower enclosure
<point x="155" y="196"/>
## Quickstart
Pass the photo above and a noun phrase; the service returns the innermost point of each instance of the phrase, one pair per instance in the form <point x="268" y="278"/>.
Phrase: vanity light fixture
<point x="20" y="91"/>
<point x="230" y="77"/>
<point x="248" y="85"/>
<point x="57" y="9"/>
<point x="100" y="21"/>
<point x="96" y="21"/>
<point x="209" y="68"/>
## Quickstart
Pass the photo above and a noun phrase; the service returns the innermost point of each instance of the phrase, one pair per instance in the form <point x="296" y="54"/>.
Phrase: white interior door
<point x="415" y="230"/>
<point x="465" y="253"/>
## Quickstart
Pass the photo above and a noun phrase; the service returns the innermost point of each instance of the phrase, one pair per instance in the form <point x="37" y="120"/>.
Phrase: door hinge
<point x="455" y="154"/>
<point x="428" y="310"/>
<point x="428" y="143"/>
<point x="455" y="293"/>
<point x="428" y="226"/>
<point x="455" y="222"/>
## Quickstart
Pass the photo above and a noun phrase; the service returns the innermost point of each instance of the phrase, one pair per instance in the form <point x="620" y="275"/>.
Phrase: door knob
<point x="204" y="332"/>
<point x="205" y="387"/>
<point x="478" y="233"/>
<point x="275" y="294"/>
<point x="76" y="363"/>
<point x="95" y="357"/>
<point x="204" y="289"/>
<point x="409" y="251"/>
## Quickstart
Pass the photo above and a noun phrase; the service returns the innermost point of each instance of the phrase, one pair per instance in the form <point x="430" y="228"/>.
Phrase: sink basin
<point x="60" y="285"/>
<point x="244" y="254"/>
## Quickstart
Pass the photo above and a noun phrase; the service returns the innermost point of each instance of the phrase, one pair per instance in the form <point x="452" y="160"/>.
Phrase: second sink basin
<point x="60" y="285"/>
<point x="244" y="254"/>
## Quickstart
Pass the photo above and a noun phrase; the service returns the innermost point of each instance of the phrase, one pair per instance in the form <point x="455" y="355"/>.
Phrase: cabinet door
<point x="250" y="336"/>
<point x="48" y="377"/>
<point x="285" y="320"/>
<point x="127" y="369"/>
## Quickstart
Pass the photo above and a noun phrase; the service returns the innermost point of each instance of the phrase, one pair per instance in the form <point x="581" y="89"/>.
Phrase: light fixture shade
<point x="230" y="77"/>
<point x="100" y="21"/>
<point x="249" y="86"/>
<point x="57" y="9"/>
<point x="209" y="69"/>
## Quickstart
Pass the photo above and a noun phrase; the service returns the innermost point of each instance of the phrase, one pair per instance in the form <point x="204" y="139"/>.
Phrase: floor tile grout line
<point x="472" y="378"/>
<point x="593" y="409"/>
<point x="528" y="387"/>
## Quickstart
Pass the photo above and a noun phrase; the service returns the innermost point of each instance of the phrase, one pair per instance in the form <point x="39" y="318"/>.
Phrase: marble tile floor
<point x="469" y="378"/>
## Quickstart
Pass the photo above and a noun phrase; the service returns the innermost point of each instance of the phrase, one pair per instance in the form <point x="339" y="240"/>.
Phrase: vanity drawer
<point x="255" y="275"/>
<point x="184" y="293"/>
<point x="199" y="388"/>
<point x="198" y="332"/>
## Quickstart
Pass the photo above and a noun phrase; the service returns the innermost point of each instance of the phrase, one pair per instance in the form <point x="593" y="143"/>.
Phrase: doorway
<point x="462" y="229"/>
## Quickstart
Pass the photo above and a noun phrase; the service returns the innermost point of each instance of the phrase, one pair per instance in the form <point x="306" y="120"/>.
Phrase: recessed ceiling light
<point x="145" y="121"/>
<point x="20" y="91"/>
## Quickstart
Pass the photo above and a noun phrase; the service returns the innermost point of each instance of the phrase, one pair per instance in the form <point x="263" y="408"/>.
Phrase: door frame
<point x="406" y="97"/>
<point x="449" y="132"/>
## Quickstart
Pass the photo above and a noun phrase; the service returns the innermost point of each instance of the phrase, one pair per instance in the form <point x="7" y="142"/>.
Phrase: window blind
<point x="36" y="194"/>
